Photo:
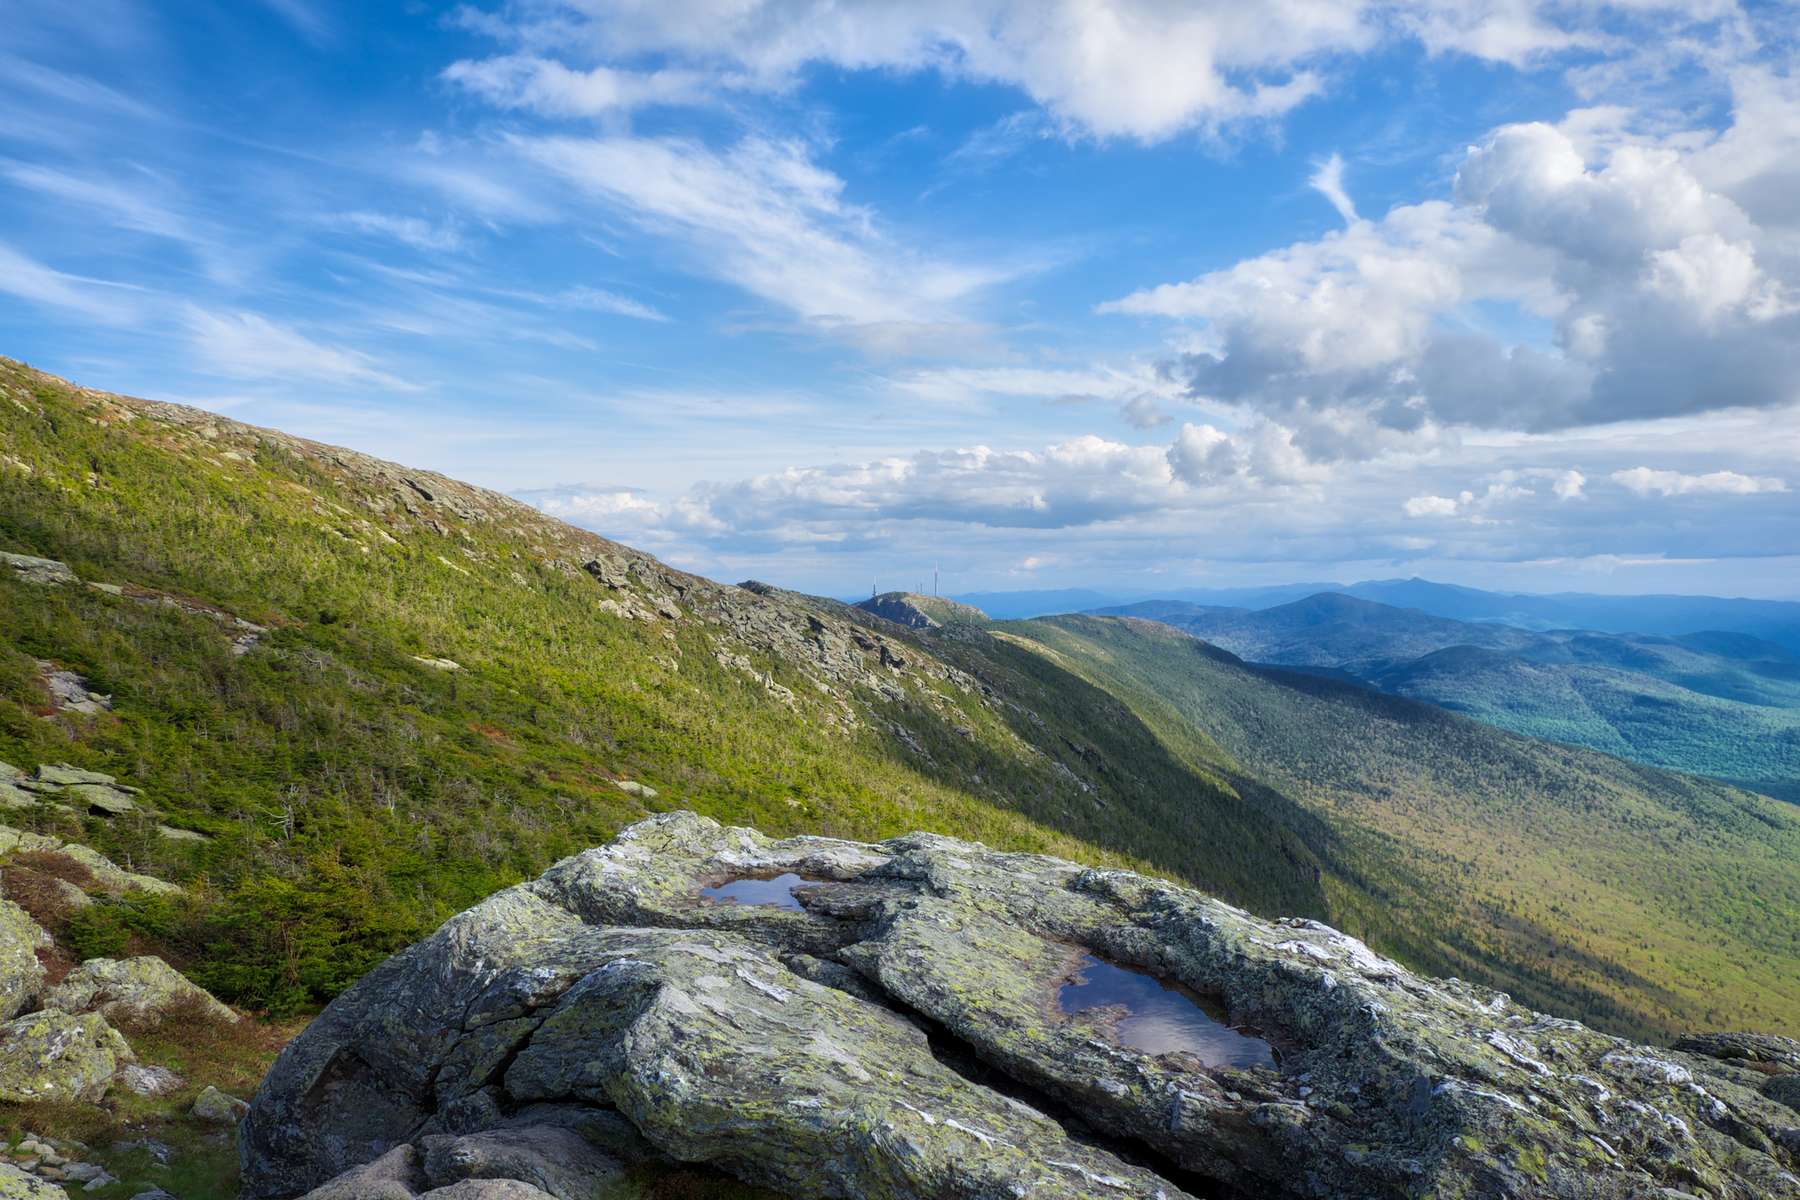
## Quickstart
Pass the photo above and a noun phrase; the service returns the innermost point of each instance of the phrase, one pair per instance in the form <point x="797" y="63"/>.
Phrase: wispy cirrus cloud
<point x="762" y="215"/>
<point x="249" y="345"/>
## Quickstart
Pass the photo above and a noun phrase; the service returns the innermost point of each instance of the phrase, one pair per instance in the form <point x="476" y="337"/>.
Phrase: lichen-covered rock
<point x="140" y="990"/>
<point x="57" y="1056"/>
<point x="100" y="799"/>
<point x="14" y="796"/>
<point x="21" y="975"/>
<point x="27" y="569"/>
<point x="16" y="1184"/>
<point x="784" y="1043"/>
<point x="63" y="775"/>
<point x="216" y="1107"/>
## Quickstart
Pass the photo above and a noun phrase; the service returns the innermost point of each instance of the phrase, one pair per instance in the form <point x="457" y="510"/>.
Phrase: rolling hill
<point x="1713" y="703"/>
<point x="376" y="695"/>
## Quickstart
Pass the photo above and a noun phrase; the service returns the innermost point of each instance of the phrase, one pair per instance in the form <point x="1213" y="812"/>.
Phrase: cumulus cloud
<point x="1663" y="295"/>
<point x="1141" y="69"/>
<point x="1569" y="485"/>
<point x="1083" y="481"/>
<point x="1645" y="480"/>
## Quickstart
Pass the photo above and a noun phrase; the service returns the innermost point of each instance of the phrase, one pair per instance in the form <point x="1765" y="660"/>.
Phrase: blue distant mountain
<point x="1717" y="702"/>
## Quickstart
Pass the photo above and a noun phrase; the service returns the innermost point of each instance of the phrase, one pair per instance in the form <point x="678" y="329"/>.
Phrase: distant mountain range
<point x="1719" y="703"/>
<point x="1775" y="621"/>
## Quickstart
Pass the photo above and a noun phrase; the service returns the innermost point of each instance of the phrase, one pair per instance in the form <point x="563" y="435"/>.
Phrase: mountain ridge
<point x="444" y="701"/>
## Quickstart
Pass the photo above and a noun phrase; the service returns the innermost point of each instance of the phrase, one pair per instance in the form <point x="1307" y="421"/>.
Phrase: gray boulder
<point x="552" y="1159"/>
<point x="786" y="1043"/>
<point x="140" y="991"/>
<point x="215" y="1107"/>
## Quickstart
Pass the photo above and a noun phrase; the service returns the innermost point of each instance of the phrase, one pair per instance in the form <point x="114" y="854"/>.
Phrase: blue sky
<point x="1117" y="293"/>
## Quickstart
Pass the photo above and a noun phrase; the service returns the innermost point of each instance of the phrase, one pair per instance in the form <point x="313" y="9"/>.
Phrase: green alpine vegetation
<point x="377" y="695"/>
<point x="1710" y="702"/>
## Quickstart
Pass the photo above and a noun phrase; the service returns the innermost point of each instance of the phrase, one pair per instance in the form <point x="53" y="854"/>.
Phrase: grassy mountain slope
<point x="1719" y="704"/>
<point x="355" y="795"/>
<point x="449" y="690"/>
<point x="1630" y="897"/>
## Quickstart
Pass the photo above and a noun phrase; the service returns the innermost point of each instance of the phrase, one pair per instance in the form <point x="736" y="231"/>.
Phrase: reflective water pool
<point x="763" y="893"/>
<point x="1157" y="1017"/>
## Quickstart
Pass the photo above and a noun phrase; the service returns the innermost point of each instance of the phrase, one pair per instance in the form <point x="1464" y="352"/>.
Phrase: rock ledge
<point x="897" y="1033"/>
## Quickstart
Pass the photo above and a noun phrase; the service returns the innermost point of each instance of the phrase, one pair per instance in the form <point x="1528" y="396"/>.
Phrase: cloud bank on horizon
<point x="1106" y="292"/>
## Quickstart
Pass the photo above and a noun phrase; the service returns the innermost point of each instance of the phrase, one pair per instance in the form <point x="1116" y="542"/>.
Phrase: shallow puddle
<point x="1158" y="1017"/>
<point x="758" y="893"/>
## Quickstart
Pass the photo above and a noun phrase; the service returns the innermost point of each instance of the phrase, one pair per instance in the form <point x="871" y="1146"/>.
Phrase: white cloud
<point x="548" y="87"/>
<point x="602" y="300"/>
<point x="1569" y="485"/>
<point x="32" y="281"/>
<point x="1328" y="181"/>
<point x="763" y="216"/>
<point x="1662" y="296"/>
<point x="1107" y="384"/>
<point x="1142" y="69"/>
<point x="1431" y="506"/>
<point x="1203" y="456"/>
<point x="1645" y="480"/>
<point x="416" y="232"/>
<point x="249" y="345"/>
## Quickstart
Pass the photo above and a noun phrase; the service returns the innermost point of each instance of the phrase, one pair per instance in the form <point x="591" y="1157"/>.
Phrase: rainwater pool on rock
<point x="1158" y="1017"/>
<point x="760" y="893"/>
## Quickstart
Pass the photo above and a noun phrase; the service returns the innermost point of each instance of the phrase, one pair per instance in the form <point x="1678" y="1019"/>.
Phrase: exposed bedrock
<point x="901" y="1020"/>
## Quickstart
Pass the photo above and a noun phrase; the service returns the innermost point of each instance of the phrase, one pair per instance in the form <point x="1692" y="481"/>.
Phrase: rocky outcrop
<point x="139" y="991"/>
<point x="21" y="974"/>
<point x="53" y="1056"/>
<point x="69" y="691"/>
<point x="896" y="1028"/>
<point x="27" y="569"/>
